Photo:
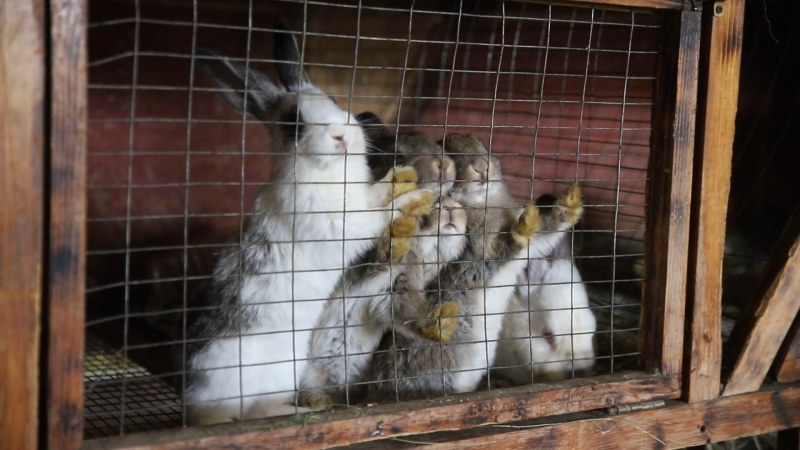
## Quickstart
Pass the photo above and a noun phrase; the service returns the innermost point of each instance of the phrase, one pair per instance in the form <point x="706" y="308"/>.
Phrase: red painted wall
<point x="139" y="170"/>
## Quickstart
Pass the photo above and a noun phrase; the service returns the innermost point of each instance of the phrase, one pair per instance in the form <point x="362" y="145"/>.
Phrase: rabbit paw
<point x="442" y="328"/>
<point x="404" y="179"/>
<point x="501" y="383"/>
<point x="419" y="206"/>
<point x="316" y="399"/>
<point x="529" y="224"/>
<point x="571" y="204"/>
<point x="400" y="230"/>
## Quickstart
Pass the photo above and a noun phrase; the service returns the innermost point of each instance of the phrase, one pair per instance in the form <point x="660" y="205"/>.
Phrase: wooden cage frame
<point x="676" y="402"/>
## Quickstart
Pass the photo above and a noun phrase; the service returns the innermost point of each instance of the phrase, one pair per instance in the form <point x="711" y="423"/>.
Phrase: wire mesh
<point x="557" y="94"/>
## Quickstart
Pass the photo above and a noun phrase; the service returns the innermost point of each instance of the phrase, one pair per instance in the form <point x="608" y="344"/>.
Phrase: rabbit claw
<point x="420" y="206"/>
<point x="316" y="399"/>
<point x="404" y="180"/>
<point x="529" y="224"/>
<point x="400" y="230"/>
<point x="571" y="204"/>
<point x="444" y="325"/>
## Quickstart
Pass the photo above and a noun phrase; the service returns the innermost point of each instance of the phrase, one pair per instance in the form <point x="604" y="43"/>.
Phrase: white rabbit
<point x="248" y="350"/>
<point x="548" y="332"/>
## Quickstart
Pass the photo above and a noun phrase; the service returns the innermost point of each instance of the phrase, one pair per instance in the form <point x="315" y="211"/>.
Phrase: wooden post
<point x="669" y="195"/>
<point x="22" y="78"/>
<point x="719" y="87"/>
<point x="67" y="246"/>
<point x="774" y="316"/>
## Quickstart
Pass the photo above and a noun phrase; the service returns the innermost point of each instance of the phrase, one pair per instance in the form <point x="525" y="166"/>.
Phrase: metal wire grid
<point x="466" y="84"/>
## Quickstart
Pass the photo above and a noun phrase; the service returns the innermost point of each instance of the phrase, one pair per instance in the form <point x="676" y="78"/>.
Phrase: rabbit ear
<point x="286" y="51"/>
<point x="230" y="76"/>
<point x="368" y="118"/>
<point x="374" y="129"/>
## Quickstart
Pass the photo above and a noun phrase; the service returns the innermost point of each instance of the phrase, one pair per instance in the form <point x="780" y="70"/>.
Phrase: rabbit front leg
<point x="399" y="181"/>
<point x="346" y="326"/>
<point x="567" y="211"/>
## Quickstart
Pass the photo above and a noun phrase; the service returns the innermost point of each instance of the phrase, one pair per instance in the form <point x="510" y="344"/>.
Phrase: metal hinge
<point x="644" y="406"/>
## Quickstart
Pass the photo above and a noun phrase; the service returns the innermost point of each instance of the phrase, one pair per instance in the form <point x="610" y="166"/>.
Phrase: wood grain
<point x="456" y="412"/>
<point x="679" y="425"/>
<point x="67" y="245"/>
<point x="773" y="319"/>
<point x="22" y="78"/>
<point x="787" y="363"/>
<point x="669" y="195"/>
<point x="719" y="87"/>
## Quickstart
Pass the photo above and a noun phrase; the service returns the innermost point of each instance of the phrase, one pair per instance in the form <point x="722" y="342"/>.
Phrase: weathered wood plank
<point x="66" y="271"/>
<point x="679" y="425"/>
<point x="456" y="412"/>
<point x="773" y="318"/>
<point x="669" y="196"/>
<point x="787" y="363"/>
<point x="719" y="88"/>
<point x="22" y="78"/>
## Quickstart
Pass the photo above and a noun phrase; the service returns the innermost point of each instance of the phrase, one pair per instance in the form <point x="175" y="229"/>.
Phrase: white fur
<point x="554" y="304"/>
<point x="311" y="180"/>
<point x="493" y="300"/>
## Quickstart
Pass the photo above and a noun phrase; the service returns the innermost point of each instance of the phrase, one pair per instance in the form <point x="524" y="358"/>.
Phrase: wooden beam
<point x="348" y="426"/>
<point x="669" y="195"/>
<point x="719" y="87"/>
<point x="678" y="425"/>
<point x="22" y="88"/>
<point x="773" y="318"/>
<point x="787" y="363"/>
<point x="67" y="245"/>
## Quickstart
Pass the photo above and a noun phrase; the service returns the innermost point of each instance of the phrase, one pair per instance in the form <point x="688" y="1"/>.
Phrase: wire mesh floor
<point x="123" y="397"/>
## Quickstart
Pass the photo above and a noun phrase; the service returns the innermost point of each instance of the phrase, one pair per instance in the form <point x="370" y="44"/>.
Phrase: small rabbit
<point x="368" y="308"/>
<point x="248" y="350"/>
<point x="436" y="170"/>
<point x="481" y="282"/>
<point x="548" y="332"/>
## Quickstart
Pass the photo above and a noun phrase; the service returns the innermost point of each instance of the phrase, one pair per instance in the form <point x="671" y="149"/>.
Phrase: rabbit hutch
<point x="139" y="176"/>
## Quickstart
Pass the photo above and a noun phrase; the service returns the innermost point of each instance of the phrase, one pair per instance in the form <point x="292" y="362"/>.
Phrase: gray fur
<point x="406" y="368"/>
<point x="332" y="377"/>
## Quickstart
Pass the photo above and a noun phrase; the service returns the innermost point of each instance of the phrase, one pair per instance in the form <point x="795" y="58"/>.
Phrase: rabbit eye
<point x="291" y="125"/>
<point x="425" y="221"/>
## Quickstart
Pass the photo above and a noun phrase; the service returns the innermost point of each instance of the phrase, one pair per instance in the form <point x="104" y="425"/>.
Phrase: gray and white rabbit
<point x="249" y="349"/>
<point x="435" y="169"/>
<point x="548" y="332"/>
<point x="481" y="281"/>
<point x="364" y="300"/>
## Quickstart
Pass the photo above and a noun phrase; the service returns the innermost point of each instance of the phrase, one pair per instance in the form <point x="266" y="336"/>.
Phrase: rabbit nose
<point x="448" y="172"/>
<point x="340" y="139"/>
